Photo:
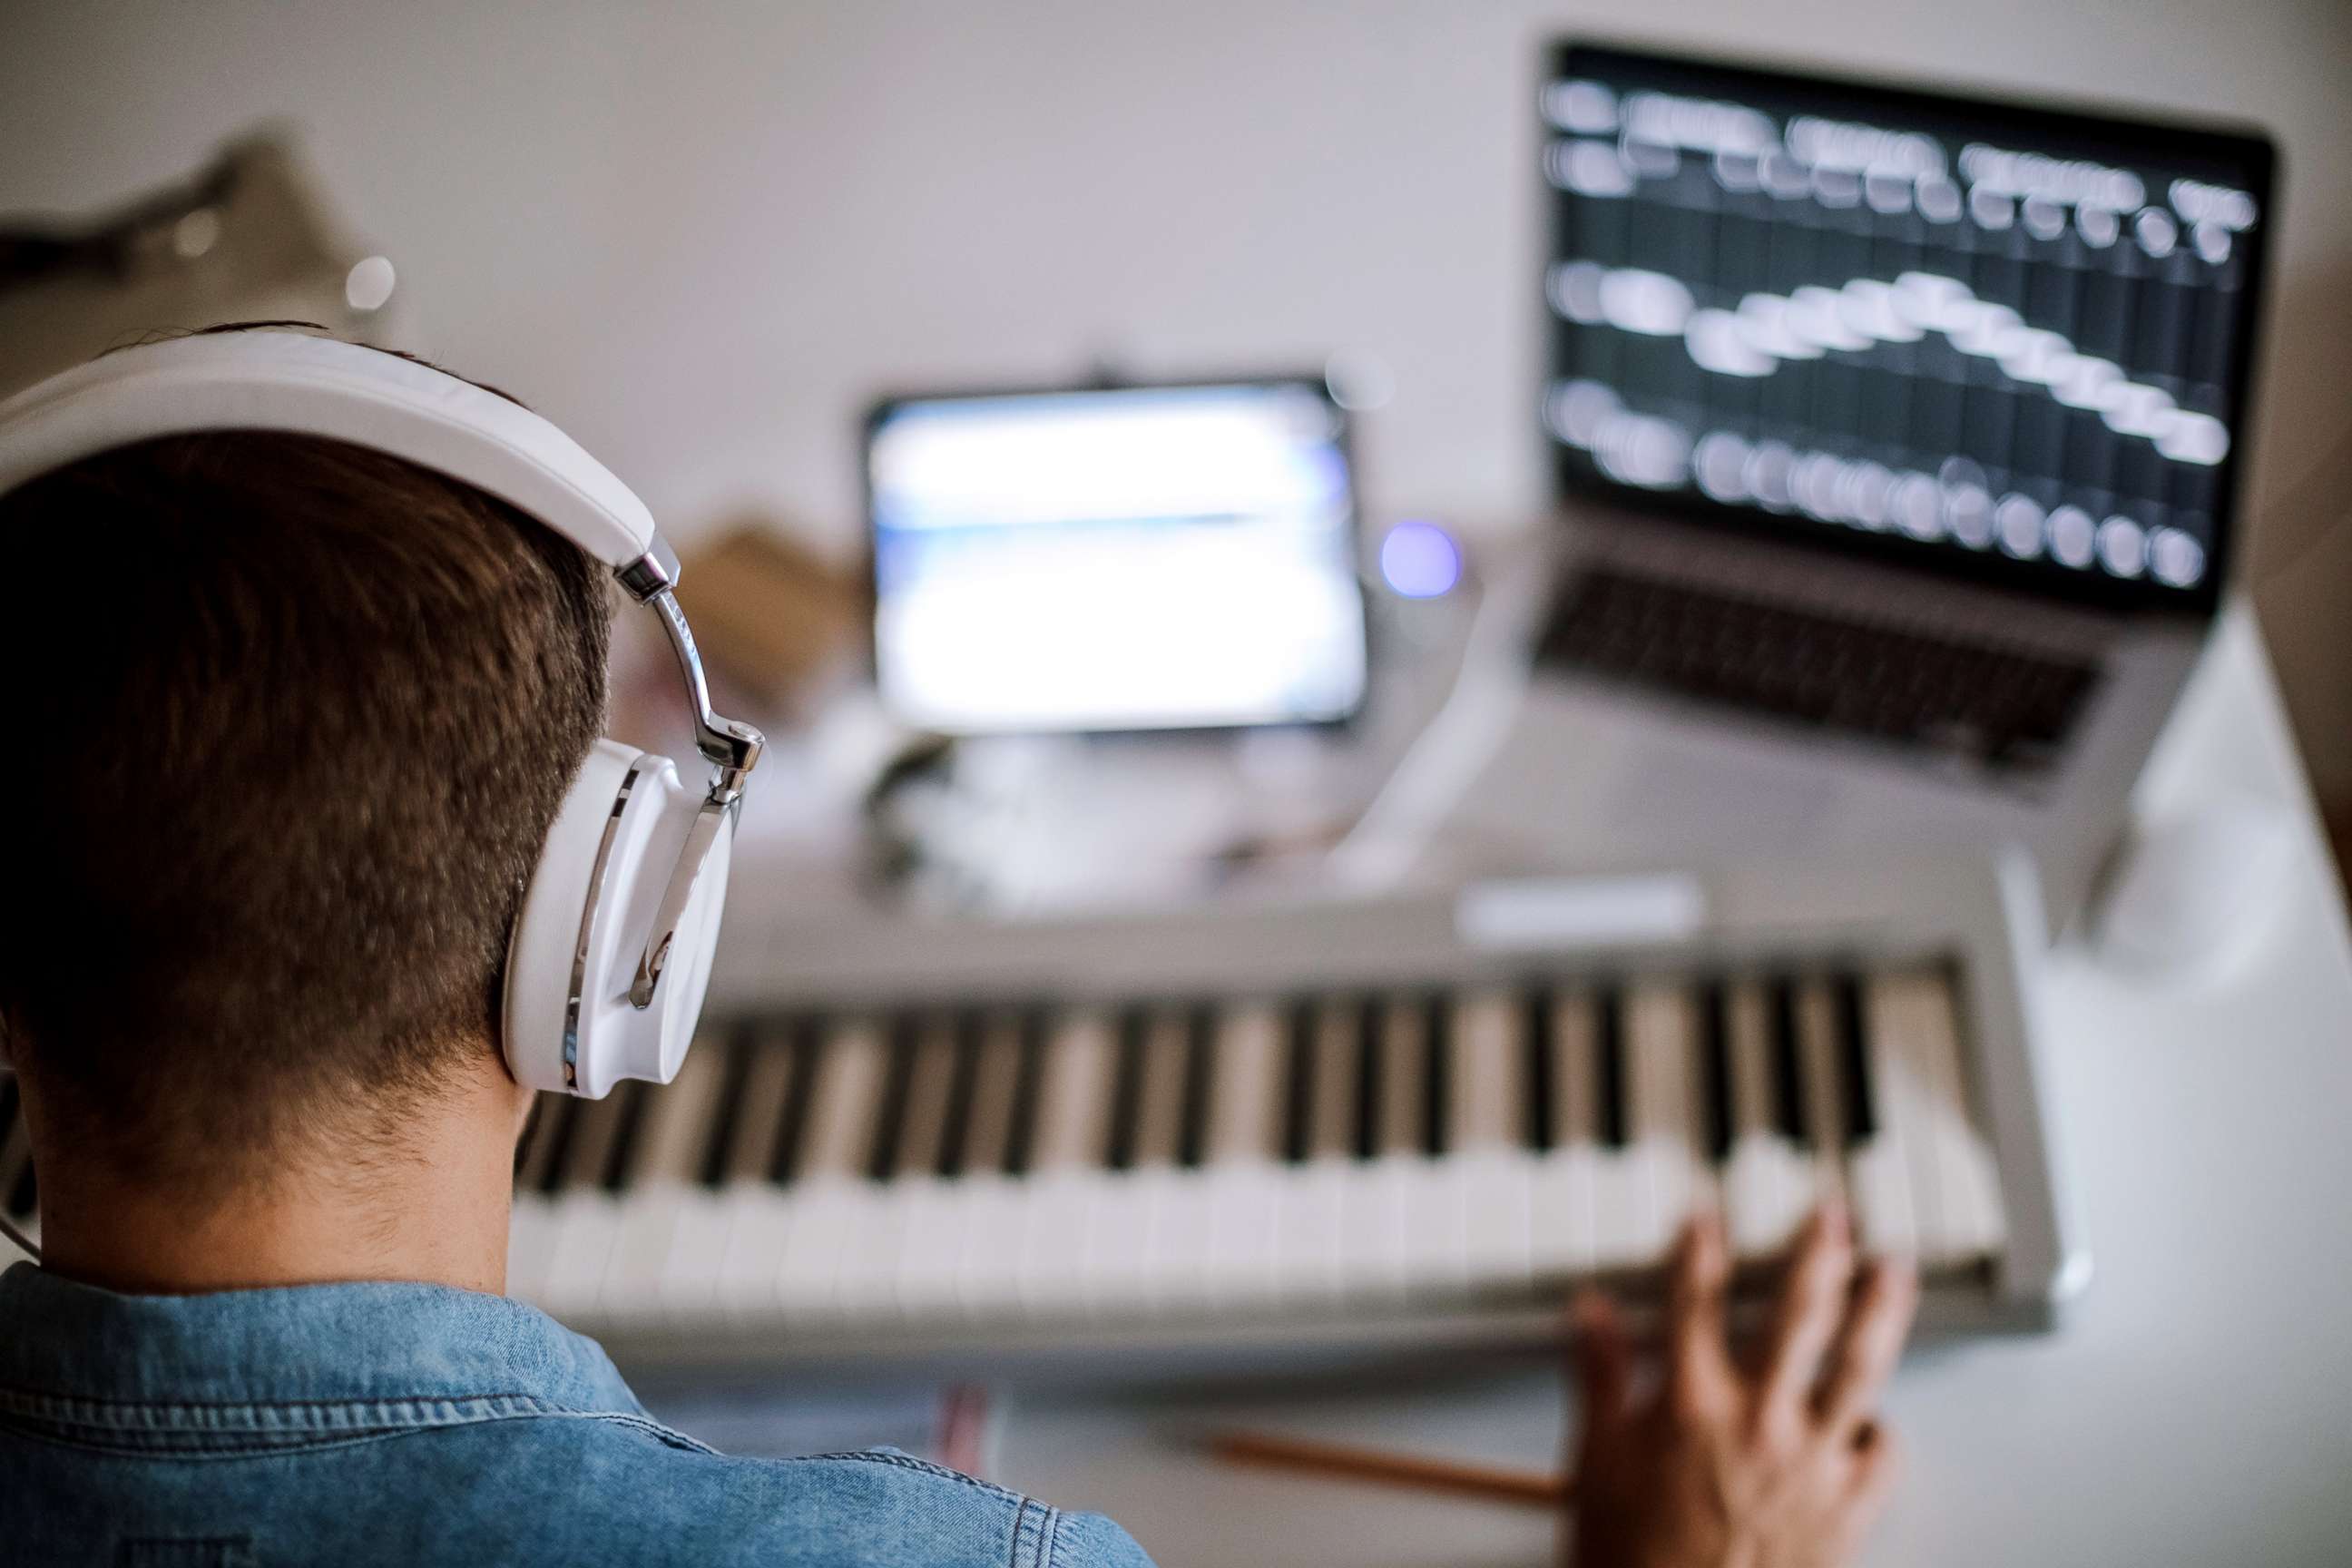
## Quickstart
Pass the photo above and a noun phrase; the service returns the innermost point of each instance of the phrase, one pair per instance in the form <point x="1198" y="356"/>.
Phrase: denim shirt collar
<point x="365" y="1341"/>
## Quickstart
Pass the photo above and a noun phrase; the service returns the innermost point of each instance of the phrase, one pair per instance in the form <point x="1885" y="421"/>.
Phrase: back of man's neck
<point x="430" y="1204"/>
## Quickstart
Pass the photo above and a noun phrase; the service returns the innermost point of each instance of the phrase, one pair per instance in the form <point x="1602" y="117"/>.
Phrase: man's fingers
<point x="1699" y="1374"/>
<point x="1813" y="1300"/>
<point x="1872" y="1342"/>
<point x="1604" y="1359"/>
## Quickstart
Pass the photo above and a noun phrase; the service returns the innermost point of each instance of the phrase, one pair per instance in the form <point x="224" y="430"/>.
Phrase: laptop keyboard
<point x="1997" y="705"/>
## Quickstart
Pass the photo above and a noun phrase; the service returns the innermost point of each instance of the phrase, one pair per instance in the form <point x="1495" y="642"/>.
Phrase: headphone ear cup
<point x="615" y="866"/>
<point x="539" y="1015"/>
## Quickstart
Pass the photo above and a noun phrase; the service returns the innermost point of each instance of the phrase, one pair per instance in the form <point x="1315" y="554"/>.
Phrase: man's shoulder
<point x="677" y="1499"/>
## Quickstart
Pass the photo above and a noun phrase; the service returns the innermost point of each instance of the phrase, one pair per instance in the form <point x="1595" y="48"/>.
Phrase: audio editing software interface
<point x="1965" y="329"/>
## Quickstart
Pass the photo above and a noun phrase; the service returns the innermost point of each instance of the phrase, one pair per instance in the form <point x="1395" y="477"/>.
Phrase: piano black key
<point x="1715" y="1070"/>
<point x="1127" y="1089"/>
<point x="727" y="1112"/>
<point x="24" y="1197"/>
<point x="1854" y="1062"/>
<point x="1022" y="1137"/>
<point x="1609" y="1066"/>
<point x="905" y="1036"/>
<point x="1200" y="1058"/>
<point x="1298" y="1114"/>
<point x="1368" y="1079"/>
<point x="1537" y="1079"/>
<point x="955" y="1135"/>
<point x="560" y="1123"/>
<point x="808" y="1048"/>
<point x="1786" y="1053"/>
<point x="629" y="1119"/>
<point x="1437" y="1086"/>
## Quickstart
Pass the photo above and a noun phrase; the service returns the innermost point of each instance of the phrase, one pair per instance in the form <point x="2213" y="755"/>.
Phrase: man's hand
<point x="1777" y="1465"/>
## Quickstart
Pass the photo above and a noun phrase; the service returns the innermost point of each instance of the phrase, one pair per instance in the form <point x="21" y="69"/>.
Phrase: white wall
<point x="702" y="236"/>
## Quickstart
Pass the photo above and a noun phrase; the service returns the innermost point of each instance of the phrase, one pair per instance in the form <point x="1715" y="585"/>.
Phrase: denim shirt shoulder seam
<point x="924" y="1466"/>
<point x="271" y="1415"/>
<point x="186" y="1442"/>
<point x="167" y="1423"/>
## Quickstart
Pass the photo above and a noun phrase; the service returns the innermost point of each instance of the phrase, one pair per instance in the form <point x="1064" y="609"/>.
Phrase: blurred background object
<point x="246" y="237"/>
<point x="773" y="618"/>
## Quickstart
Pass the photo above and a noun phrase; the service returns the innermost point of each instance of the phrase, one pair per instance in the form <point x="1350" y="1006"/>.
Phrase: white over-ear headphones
<point x="609" y="958"/>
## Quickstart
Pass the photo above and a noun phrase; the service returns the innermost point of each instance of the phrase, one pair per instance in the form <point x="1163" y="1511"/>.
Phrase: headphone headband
<point x="268" y="379"/>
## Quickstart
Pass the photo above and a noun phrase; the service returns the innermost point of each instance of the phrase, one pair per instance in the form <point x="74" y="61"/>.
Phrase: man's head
<point x="299" y="718"/>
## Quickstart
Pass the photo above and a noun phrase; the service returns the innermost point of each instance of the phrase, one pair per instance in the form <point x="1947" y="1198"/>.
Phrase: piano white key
<point x="1056" y="1232"/>
<point x="1562" y="1227"/>
<point x="1241" y="1147"/>
<point x="845" y="1098"/>
<point x="1071" y="1137"/>
<point x="1248" y="1081"/>
<point x="1182" y="1235"/>
<point x="1166" y="1278"/>
<point x="988" y="1271"/>
<point x="938" y="1213"/>
<point x="687" y="1290"/>
<point x="1916" y="1034"/>
<point x="1661" y="1039"/>
<point x="1244" y="1201"/>
<point x="1074" y="1102"/>
<point x="1485" y="1138"/>
<point x="1768" y="1185"/>
<point x="1483" y="1109"/>
<point x="1117" y="1266"/>
<point x="841" y="1252"/>
<point x="664" y="1158"/>
<point x="833" y="1270"/>
<point x="1160" y="1091"/>
<point x="1436" y="1230"/>
<point x="1311" y="1229"/>
<point x="755" y="1217"/>
<point x="1879" y="1164"/>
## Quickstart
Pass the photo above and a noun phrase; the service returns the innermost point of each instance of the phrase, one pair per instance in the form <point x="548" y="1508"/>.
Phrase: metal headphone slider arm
<point x="730" y="746"/>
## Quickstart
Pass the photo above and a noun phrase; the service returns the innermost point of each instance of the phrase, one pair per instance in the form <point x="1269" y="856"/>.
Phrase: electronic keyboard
<point x="1284" y="1128"/>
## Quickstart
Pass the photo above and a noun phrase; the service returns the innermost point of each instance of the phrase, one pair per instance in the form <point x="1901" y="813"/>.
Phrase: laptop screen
<point x="2009" y="341"/>
<point x="1142" y="558"/>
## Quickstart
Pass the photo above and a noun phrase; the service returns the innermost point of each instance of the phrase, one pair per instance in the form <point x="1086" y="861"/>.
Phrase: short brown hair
<point x="300" y="715"/>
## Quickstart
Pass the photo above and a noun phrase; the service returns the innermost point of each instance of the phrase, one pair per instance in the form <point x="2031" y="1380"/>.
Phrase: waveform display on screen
<point x="1839" y="307"/>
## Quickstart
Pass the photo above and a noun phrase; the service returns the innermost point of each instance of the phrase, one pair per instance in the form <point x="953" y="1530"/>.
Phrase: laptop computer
<point x="1897" y="437"/>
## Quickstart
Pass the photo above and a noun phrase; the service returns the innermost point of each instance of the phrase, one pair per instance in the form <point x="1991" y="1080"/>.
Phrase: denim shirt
<point x="415" y="1424"/>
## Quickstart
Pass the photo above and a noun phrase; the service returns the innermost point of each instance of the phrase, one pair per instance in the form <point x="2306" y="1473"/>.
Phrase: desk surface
<point x="2191" y="1407"/>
